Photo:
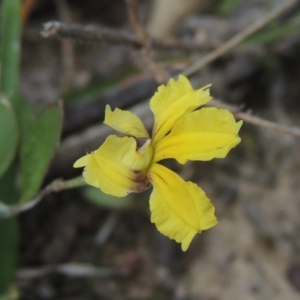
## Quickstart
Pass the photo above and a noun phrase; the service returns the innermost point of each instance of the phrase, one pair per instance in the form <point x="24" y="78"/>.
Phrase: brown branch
<point x="295" y="131"/>
<point x="72" y="270"/>
<point x="88" y="34"/>
<point x="92" y="34"/>
<point x="139" y="30"/>
<point x="238" y="38"/>
<point x="145" y="52"/>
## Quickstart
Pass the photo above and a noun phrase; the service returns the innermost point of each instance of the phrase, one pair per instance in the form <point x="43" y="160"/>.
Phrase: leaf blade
<point x="38" y="147"/>
<point x="10" y="46"/>
<point x="8" y="134"/>
<point x="9" y="230"/>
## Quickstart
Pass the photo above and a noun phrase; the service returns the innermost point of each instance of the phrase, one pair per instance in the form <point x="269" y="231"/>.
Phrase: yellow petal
<point x="179" y="209"/>
<point x="125" y="122"/>
<point x="117" y="168"/>
<point x="171" y="102"/>
<point x="201" y="135"/>
<point x="81" y="162"/>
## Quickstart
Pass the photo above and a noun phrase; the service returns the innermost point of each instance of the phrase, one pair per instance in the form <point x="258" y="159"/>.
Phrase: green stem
<point x="57" y="185"/>
<point x="75" y="182"/>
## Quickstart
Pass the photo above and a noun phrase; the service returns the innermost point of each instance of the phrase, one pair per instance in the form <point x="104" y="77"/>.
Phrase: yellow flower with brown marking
<point x="123" y="165"/>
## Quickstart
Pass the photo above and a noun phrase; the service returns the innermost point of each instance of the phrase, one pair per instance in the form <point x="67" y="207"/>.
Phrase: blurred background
<point x="82" y="244"/>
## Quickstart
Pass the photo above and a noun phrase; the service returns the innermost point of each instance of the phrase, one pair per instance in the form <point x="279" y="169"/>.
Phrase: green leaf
<point x="98" y="197"/>
<point x="9" y="230"/>
<point x="37" y="149"/>
<point x="10" y="46"/>
<point x="8" y="134"/>
<point x="24" y="113"/>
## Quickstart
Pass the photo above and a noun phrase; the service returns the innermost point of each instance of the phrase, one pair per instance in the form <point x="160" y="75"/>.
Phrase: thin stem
<point x="72" y="270"/>
<point x="145" y="52"/>
<point x="93" y="34"/>
<point x="295" y="131"/>
<point x="237" y="39"/>
<point x="139" y="30"/>
<point x="57" y="185"/>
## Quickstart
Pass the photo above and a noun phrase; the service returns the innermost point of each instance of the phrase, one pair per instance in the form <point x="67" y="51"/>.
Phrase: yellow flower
<point x="128" y="164"/>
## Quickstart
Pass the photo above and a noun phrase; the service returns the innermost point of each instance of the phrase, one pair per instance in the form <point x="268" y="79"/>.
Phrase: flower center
<point x="141" y="182"/>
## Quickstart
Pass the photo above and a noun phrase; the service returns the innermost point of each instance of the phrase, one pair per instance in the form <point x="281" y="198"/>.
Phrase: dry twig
<point x="139" y="30"/>
<point x="92" y="34"/>
<point x="145" y="52"/>
<point x="295" y="131"/>
<point x="72" y="270"/>
<point x="237" y="39"/>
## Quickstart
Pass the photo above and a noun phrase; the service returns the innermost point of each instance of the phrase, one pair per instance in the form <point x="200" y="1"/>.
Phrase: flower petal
<point x="200" y="135"/>
<point x="125" y="121"/>
<point x="179" y="209"/>
<point x="171" y="102"/>
<point x="117" y="168"/>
